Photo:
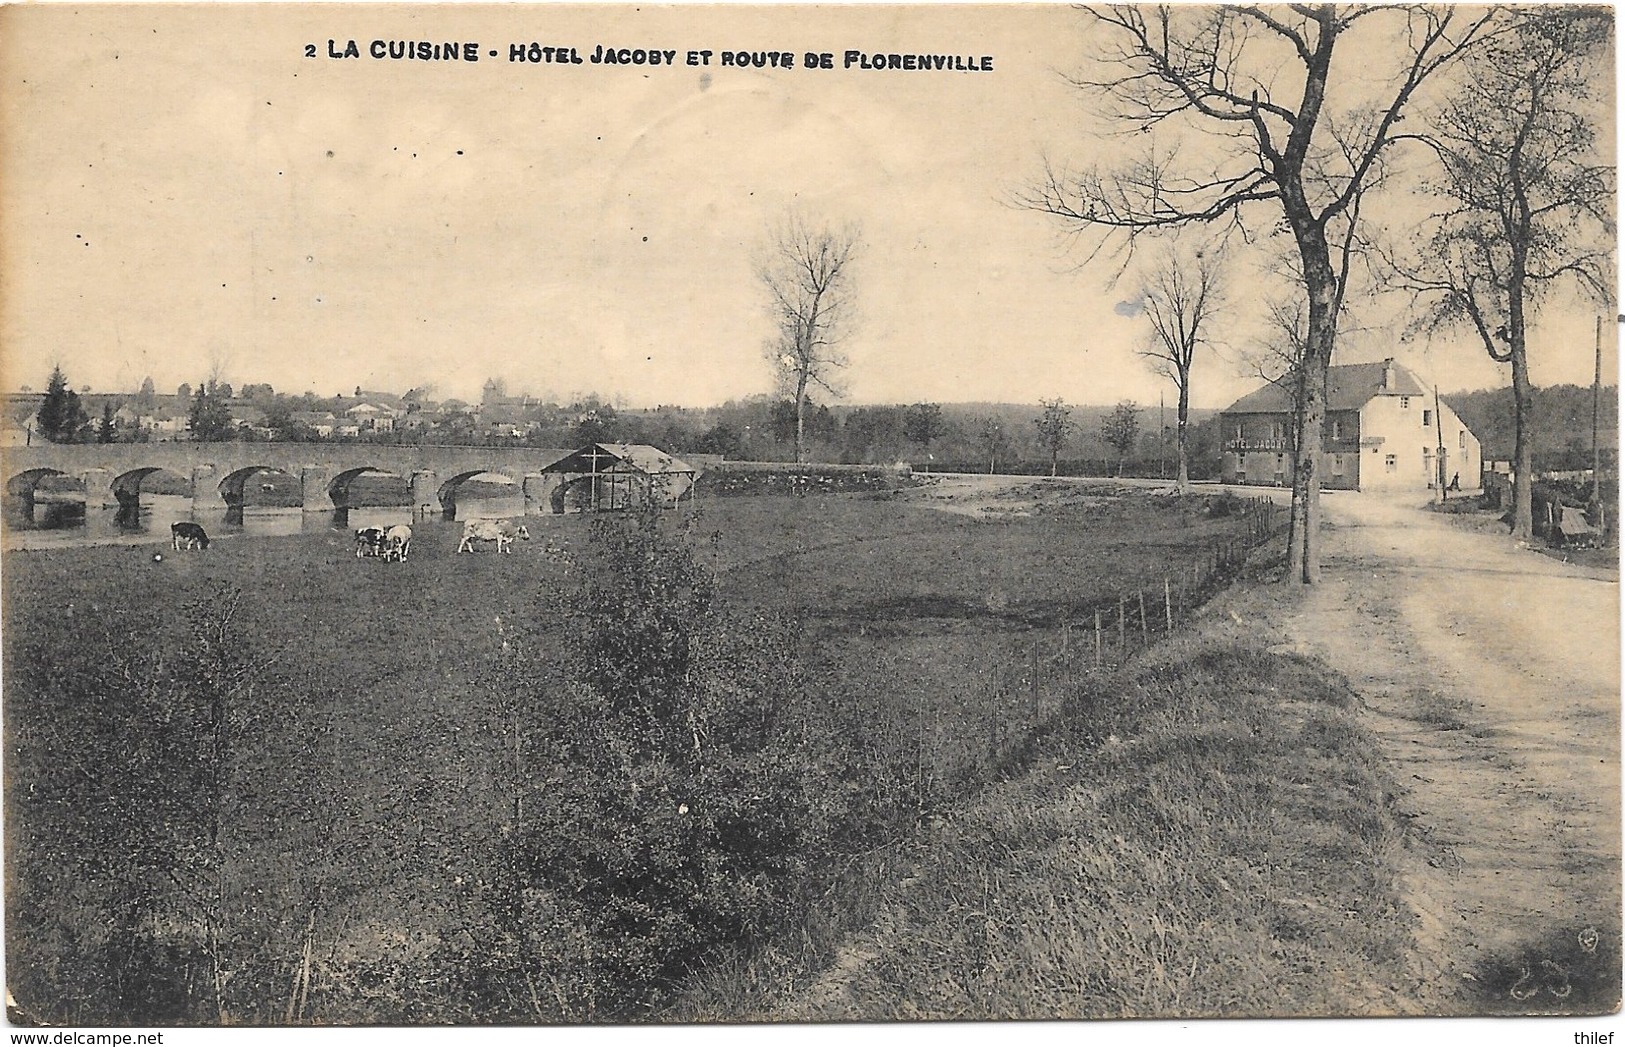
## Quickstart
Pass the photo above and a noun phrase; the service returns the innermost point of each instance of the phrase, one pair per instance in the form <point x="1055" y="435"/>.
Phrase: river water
<point x="70" y="524"/>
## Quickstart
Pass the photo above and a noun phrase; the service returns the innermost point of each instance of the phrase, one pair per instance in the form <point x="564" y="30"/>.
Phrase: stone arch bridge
<point x="113" y="473"/>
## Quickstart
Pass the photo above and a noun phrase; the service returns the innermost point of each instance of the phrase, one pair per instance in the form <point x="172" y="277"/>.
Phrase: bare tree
<point x="807" y="271"/>
<point x="1121" y="429"/>
<point x="1532" y="199"/>
<point x="1181" y="297"/>
<point x="1249" y="93"/>
<point x="1053" y="426"/>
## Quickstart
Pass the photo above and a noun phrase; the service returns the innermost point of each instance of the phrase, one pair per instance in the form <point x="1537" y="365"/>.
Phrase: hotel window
<point x="1405" y="403"/>
<point x="1337" y="430"/>
<point x="1391" y="462"/>
<point x="1461" y="439"/>
<point x="1337" y="465"/>
<point x="1427" y="417"/>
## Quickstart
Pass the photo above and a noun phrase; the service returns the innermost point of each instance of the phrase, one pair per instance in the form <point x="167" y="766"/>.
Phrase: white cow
<point x="502" y="532"/>
<point x="397" y="543"/>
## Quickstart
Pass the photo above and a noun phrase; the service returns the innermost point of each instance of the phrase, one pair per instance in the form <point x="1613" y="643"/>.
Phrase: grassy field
<point x="365" y="741"/>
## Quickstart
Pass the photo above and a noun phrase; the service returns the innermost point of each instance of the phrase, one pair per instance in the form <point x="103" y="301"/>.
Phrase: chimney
<point x="1388" y="374"/>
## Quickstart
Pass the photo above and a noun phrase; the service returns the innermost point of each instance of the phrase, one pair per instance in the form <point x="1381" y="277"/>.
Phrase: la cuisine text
<point x="537" y="53"/>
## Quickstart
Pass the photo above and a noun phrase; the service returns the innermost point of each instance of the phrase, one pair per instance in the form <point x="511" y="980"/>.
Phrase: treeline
<point x="1559" y="424"/>
<point x="966" y="437"/>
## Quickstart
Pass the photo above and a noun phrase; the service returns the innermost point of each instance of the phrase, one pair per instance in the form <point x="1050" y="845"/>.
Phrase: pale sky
<point x="184" y="190"/>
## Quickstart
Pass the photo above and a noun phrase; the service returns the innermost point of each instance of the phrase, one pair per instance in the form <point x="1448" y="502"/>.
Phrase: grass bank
<point x="1207" y="832"/>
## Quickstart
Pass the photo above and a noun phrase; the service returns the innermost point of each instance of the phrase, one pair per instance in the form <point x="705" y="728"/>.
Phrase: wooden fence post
<point x="1145" y="628"/>
<point x="1097" y="637"/>
<point x="1168" y="603"/>
<point x="1122" y="636"/>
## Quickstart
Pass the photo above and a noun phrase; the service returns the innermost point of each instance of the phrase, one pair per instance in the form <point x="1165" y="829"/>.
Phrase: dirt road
<point x="1491" y="675"/>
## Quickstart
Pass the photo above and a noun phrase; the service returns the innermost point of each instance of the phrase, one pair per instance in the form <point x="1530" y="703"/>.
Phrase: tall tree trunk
<point x="1303" y="555"/>
<point x="1522" y="395"/>
<point x="1181" y="427"/>
<point x="1306" y="477"/>
<point x="1295" y="515"/>
<point x="801" y="418"/>
<point x="1523" y="398"/>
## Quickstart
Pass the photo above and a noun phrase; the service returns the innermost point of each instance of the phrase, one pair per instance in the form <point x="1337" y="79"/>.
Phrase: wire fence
<point x="967" y="738"/>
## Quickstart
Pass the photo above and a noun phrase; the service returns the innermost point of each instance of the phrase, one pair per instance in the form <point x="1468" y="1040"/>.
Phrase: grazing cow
<point x="369" y="541"/>
<point x="188" y="536"/>
<point x="397" y="543"/>
<point x="502" y="532"/>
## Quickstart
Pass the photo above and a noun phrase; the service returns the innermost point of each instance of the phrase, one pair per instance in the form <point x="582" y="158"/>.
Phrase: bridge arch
<point x="234" y="485"/>
<point x="24" y="483"/>
<point x="447" y="494"/>
<point x="338" y="488"/>
<point x="127" y="485"/>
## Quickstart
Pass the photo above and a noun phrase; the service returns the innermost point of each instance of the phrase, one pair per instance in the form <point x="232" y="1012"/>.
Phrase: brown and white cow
<point x="502" y="532"/>
<point x="185" y="535"/>
<point x="369" y="541"/>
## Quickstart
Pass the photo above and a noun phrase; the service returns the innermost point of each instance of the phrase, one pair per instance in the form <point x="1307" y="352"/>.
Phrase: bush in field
<point x="125" y="891"/>
<point x="682" y="806"/>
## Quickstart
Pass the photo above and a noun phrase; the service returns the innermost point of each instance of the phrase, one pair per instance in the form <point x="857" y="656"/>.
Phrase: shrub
<point x="680" y="810"/>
